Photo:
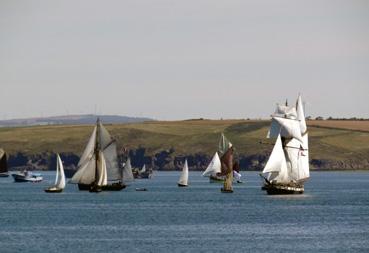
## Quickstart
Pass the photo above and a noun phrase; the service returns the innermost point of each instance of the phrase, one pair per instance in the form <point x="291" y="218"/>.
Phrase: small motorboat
<point x="27" y="176"/>
<point x="141" y="189"/>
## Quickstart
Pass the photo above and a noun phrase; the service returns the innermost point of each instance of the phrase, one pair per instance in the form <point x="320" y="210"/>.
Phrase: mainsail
<point x="183" y="179"/>
<point x="127" y="172"/>
<point x="60" y="177"/>
<point x="289" y="160"/>
<point x="214" y="166"/>
<point x="3" y="162"/>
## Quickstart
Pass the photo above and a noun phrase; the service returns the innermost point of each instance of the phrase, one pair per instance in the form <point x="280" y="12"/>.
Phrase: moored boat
<point x="27" y="176"/>
<point x="59" y="178"/>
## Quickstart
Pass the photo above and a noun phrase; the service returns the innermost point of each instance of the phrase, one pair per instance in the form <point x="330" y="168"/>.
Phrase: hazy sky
<point x="183" y="59"/>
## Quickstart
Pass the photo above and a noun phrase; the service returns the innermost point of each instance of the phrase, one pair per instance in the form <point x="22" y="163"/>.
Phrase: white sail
<point x="289" y="128"/>
<point x="301" y="115"/>
<point x="292" y="152"/>
<point x="285" y="112"/>
<point x="143" y="170"/>
<point x="276" y="165"/>
<point x="60" y="177"/>
<point x="102" y="177"/>
<point x="109" y="147"/>
<point x="127" y="172"/>
<point x="86" y="166"/>
<point x="214" y="166"/>
<point x="183" y="179"/>
<point x="304" y="159"/>
<point x="89" y="150"/>
<point x="111" y="158"/>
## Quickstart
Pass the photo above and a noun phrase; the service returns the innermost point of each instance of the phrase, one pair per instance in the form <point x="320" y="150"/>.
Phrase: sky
<point x="173" y="60"/>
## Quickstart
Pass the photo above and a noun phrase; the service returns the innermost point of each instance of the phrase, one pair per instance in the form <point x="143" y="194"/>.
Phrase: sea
<point x="331" y="216"/>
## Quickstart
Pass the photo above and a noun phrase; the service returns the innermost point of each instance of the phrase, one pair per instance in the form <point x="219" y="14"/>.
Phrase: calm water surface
<point x="332" y="216"/>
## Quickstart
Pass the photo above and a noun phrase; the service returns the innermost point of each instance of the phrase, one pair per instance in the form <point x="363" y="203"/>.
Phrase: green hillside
<point x="186" y="137"/>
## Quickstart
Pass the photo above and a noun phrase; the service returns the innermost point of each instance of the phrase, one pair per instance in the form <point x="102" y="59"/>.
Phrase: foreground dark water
<point x="332" y="216"/>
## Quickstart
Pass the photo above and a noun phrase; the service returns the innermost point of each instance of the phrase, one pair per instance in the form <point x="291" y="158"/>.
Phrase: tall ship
<point x="3" y="164"/>
<point x="59" y="184"/>
<point x="288" y="166"/>
<point x="98" y="169"/>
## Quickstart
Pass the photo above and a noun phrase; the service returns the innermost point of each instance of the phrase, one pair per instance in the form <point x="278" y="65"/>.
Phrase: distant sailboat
<point x="59" y="179"/>
<point x="213" y="169"/>
<point x="143" y="173"/>
<point x="288" y="166"/>
<point x="98" y="167"/>
<point x="127" y="172"/>
<point x="225" y="151"/>
<point x="183" y="179"/>
<point x="3" y="164"/>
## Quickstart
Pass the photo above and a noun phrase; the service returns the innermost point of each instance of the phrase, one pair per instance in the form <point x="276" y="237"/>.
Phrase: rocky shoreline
<point x="168" y="160"/>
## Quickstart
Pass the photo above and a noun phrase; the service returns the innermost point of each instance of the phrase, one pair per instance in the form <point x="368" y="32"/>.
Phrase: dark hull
<point x="53" y="190"/>
<point x="182" y="185"/>
<point x="113" y="187"/>
<point x="4" y="175"/>
<point x="273" y="189"/>
<point x="141" y="189"/>
<point x="226" y="191"/>
<point x="110" y="187"/>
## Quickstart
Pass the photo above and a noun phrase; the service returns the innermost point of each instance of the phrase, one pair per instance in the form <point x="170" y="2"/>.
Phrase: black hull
<point x="141" y="189"/>
<point x="182" y="185"/>
<point x="226" y="191"/>
<point x="49" y="190"/>
<point x="113" y="187"/>
<point x="110" y="187"/>
<point x="273" y="189"/>
<point x="4" y="175"/>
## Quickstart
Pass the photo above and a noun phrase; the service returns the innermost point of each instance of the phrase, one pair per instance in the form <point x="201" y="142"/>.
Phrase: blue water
<point x="332" y="216"/>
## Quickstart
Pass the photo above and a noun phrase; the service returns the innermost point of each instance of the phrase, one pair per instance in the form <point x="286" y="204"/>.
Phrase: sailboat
<point x="225" y="151"/>
<point x="59" y="179"/>
<point x="3" y="164"/>
<point x="143" y="173"/>
<point x="288" y="166"/>
<point x="213" y="169"/>
<point x="127" y="174"/>
<point x="183" y="179"/>
<point x="98" y="167"/>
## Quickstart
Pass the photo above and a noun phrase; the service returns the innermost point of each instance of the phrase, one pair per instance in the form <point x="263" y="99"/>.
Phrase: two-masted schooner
<point x="3" y="164"/>
<point x="98" y="168"/>
<point x="288" y="166"/>
<point x="59" y="178"/>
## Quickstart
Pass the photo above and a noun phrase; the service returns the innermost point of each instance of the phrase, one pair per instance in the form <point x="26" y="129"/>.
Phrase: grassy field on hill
<point x="328" y="140"/>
